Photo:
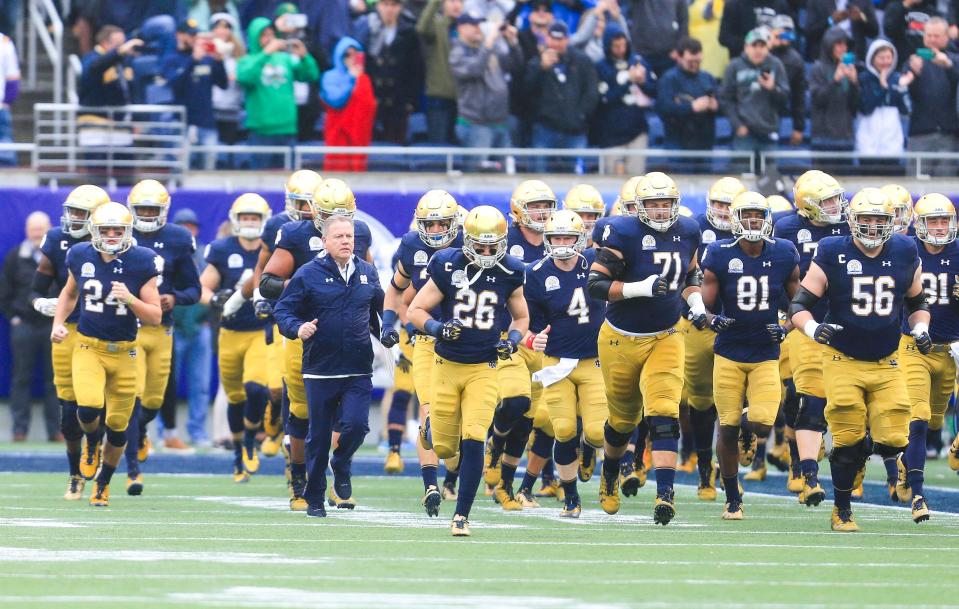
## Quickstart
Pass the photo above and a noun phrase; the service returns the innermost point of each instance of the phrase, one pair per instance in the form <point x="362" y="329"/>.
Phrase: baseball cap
<point x="467" y="19"/>
<point x="227" y="17"/>
<point x="186" y="216"/>
<point x="759" y="34"/>
<point x="558" y="30"/>
<point x="188" y="26"/>
<point x="783" y="22"/>
<point x="286" y="8"/>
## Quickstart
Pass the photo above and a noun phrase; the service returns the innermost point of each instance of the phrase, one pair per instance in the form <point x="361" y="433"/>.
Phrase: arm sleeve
<point x="186" y="285"/>
<point x="376" y="304"/>
<point x="424" y="25"/>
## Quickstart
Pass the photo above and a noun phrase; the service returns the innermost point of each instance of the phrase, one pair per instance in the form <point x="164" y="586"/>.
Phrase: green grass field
<point x="203" y="541"/>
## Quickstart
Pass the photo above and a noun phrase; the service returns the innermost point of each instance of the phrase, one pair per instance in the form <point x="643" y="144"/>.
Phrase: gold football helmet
<point x="299" y="191"/>
<point x="565" y="223"/>
<point x="245" y="204"/>
<point x="485" y="227"/>
<point x="626" y="202"/>
<point x="657" y="186"/>
<point x="718" y="200"/>
<point x="779" y="204"/>
<point x="437" y="207"/>
<point x="819" y="197"/>
<point x="149" y="195"/>
<point x="109" y="216"/>
<point x="751" y="228"/>
<point x="871" y="203"/>
<point x="902" y="202"/>
<point x="332" y="198"/>
<point x="531" y="192"/>
<point x="77" y="207"/>
<point x="586" y="201"/>
<point x="928" y="207"/>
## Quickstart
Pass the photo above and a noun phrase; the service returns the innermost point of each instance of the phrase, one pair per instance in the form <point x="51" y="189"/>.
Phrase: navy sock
<point x="915" y="456"/>
<point x="809" y="469"/>
<point x="106" y="473"/>
<point x="428" y="473"/>
<point x="249" y="441"/>
<point x="508" y="473"/>
<point x="589" y="451"/>
<point x="135" y="430"/>
<point x="569" y="487"/>
<point x="687" y="445"/>
<point x="704" y="426"/>
<point x="297" y="469"/>
<point x="842" y="479"/>
<point x="73" y="458"/>
<point x="892" y="469"/>
<point x="471" y="471"/>
<point x="94" y="436"/>
<point x="237" y="452"/>
<point x="642" y="430"/>
<point x="451" y="478"/>
<point x="395" y="439"/>
<point x="529" y="480"/>
<point x="549" y="472"/>
<point x="794" y="458"/>
<point x="731" y="484"/>
<point x="760" y="461"/>
<point x="665" y="476"/>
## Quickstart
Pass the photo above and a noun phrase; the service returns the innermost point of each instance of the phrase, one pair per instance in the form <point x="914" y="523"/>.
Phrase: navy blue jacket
<point x="105" y="80"/>
<point x="684" y="128"/>
<point x="618" y="120"/>
<point x="346" y="314"/>
<point x="192" y="83"/>
<point x="933" y="95"/>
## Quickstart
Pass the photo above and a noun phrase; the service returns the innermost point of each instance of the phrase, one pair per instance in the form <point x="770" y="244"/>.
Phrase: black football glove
<point x="700" y="321"/>
<point x="720" y="323"/>
<point x="776" y="332"/>
<point x="389" y="336"/>
<point x="404" y="364"/>
<point x="923" y="342"/>
<point x="505" y="348"/>
<point x="451" y="330"/>
<point x="220" y="297"/>
<point x="263" y="309"/>
<point x="825" y="332"/>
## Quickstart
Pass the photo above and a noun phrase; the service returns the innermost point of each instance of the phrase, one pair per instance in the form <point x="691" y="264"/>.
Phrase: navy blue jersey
<point x="650" y="252"/>
<point x="482" y="306"/>
<point x="940" y="274"/>
<point x="55" y="246"/>
<point x="180" y="276"/>
<point x="751" y="291"/>
<point x="599" y="228"/>
<point x="302" y="239"/>
<point x="778" y="216"/>
<point x="865" y="294"/>
<point x="710" y="234"/>
<point x="518" y="247"/>
<point x="273" y="226"/>
<point x="560" y="298"/>
<point x="414" y="255"/>
<point x="805" y="236"/>
<point x="102" y="316"/>
<point x="235" y="266"/>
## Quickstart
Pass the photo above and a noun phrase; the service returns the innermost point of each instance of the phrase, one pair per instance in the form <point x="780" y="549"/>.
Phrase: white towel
<point x="954" y="351"/>
<point x="555" y="373"/>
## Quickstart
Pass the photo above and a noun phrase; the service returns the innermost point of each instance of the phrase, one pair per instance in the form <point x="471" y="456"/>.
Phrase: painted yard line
<point x="13" y="554"/>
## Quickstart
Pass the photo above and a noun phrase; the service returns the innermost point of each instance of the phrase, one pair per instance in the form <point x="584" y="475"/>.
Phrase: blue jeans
<point x="440" y="119"/>
<point x="264" y="161"/>
<point x="544" y="137"/>
<point x="204" y="160"/>
<point x="346" y="400"/>
<point x="474" y="135"/>
<point x="193" y="358"/>
<point x="6" y="137"/>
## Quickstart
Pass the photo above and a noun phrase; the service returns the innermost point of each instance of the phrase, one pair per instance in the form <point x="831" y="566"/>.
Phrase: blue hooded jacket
<point x="618" y="120"/>
<point x="336" y="84"/>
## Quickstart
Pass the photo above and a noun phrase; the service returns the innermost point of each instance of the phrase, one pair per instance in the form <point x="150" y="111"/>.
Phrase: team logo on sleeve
<point x="516" y="251"/>
<point x="854" y="267"/>
<point x="708" y="236"/>
<point x="420" y="258"/>
<point x="735" y="266"/>
<point x="235" y="261"/>
<point x="552" y="283"/>
<point x="649" y="242"/>
<point x="458" y="278"/>
<point x="88" y="270"/>
<point x="363" y="279"/>
<point x="804" y="236"/>
<point x="606" y="232"/>
<point x="316" y="244"/>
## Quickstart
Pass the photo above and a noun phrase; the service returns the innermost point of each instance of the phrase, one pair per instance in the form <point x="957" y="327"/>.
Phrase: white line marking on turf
<point x="42" y="523"/>
<point x="588" y="517"/>
<point x="44" y="555"/>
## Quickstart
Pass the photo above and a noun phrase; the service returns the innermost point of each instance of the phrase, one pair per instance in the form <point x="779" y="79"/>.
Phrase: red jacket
<point x="352" y="125"/>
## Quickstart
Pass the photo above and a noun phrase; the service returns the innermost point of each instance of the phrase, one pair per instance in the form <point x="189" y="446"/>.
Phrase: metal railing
<point x="74" y="70"/>
<point x="910" y="164"/>
<point x="47" y="27"/>
<point x="109" y="143"/>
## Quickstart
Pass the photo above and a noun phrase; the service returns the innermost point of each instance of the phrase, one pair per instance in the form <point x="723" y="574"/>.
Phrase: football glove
<point x="403" y="364"/>
<point x="720" y="323"/>
<point x="654" y="285"/>
<point x="45" y="306"/>
<point x="920" y="332"/>
<point x="220" y="297"/>
<point x="776" y="332"/>
<point x="389" y="336"/>
<point x="263" y="309"/>
<point x="699" y="319"/>
<point x="451" y="330"/>
<point x="825" y="332"/>
<point x="505" y="348"/>
<point x="233" y="304"/>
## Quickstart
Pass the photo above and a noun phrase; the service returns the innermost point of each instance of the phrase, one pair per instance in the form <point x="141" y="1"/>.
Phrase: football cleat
<point x="271" y="424"/>
<point x="426" y="438"/>
<point x="491" y="464"/>
<point x="89" y="460"/>
<point x="920" y="509"/>
<point x="747" y="447"/>
<point x="503" y="495"/>
<point x="756" y="475"/>
<point x="488" y="490"/>
<point x="145" y="448"/>
<point x="297" y="486"/>
<point x="664" y="509"/>
<point x="739" y="482"/>
<point x="135" y="485"/>
<point x="587" y="465"/>
<point x="316" y="511"/>
<point x="572" y="508"/>
<point x="842" y="520"/>
<point x="856" y="493"/>
<point x="526" y="499"/>
<point x="893" y="495"/>
<point x="101" y="495"/>
<point x="954" y="455"/>
<point x="860" y="476"/>
<point x="794" y="484"/>
<point x="629" y="482"/>
<point x="432" y="500"/>
<point x="733" y="511"/>
<point x="552" y="489"/>
<point x="74" y="488"/>
<point x="811" y="496"/>
<point x="609" y="494"/>
<point x="449" y="492"/>
<point x="689" y="465"/>
<point x="240" y="474"/>
<point x="903" y="492"/>
<point x="334" y="500"/>
<point x="394" y="463"/>
<point x="460" y="527"/>
<point x="251" y="463"/>
<point x="707" y="491"/>
<point x="270" y="447"/>
<point x="779" y="457"/>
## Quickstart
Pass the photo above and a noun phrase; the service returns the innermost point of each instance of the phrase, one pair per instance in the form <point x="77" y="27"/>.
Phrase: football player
<point x="477" y="289"/>
<point x="901" y="200"/>
<point x="748" y="278"/>
<point x="821" y="205"/>
<point x="556" y="291"/>
<point x="436" y="229"/>
<point x="930" y="378"/>
<point x="179" y="284"/>
<point x="714" y="225"/>
<point x="645" y="269"/>
<point x="52" y="269"/>
<point x="242" y="343"/>
<point x="865" y="280"/>
<point x="118" y="285"/>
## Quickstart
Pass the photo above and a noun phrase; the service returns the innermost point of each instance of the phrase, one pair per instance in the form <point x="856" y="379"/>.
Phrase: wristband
<point x="695" y="302"/>
<point x="130" y="300"/>
<point x="810" y="328"/>
<point x="389" y="318"/>
<point x="529" y="341"/>
<point x="433" y="328"/>
<point x="515" y="337"/>
<point x="919" y="328"/>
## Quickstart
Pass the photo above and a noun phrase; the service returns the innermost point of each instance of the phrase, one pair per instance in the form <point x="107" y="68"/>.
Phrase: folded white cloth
<point x="954" y="351"/>
<point x="555" y="373"/>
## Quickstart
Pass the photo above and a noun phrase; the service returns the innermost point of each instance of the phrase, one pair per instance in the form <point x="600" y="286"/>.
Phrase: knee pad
<point x="146" y="414"/>
<point x="69" y="425"/>
<point x="542" y="445"/>
<point x="297" y="427"/>
<point x="885" y="451"/>
<point x="790" y="408"/>
<point x="257" y="396"/>
<point x="510" y="411"/>
<point x="565" y="452"/>
<point x="642" y="430"/>
<point x="664" y="433"/>
<point x="850" y="456"/>
<point x="759" y="429"/>
<point x="234" y="416"/>
<point x="615" y="438"/>
<point x="811" y="414"/>
<point x="517" y="438"/>
<point x="87" y="414"/>
<point x="397" y="412"/>
<point x="703" y="419"/>
<point x="117" y="438"/>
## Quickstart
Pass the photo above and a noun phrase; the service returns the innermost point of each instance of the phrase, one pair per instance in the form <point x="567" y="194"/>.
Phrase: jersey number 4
<point x="578" y="307"/>
<point x="873" y="295"/>
<point x="93" y="300"/>
<point x="475" y="310"/>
